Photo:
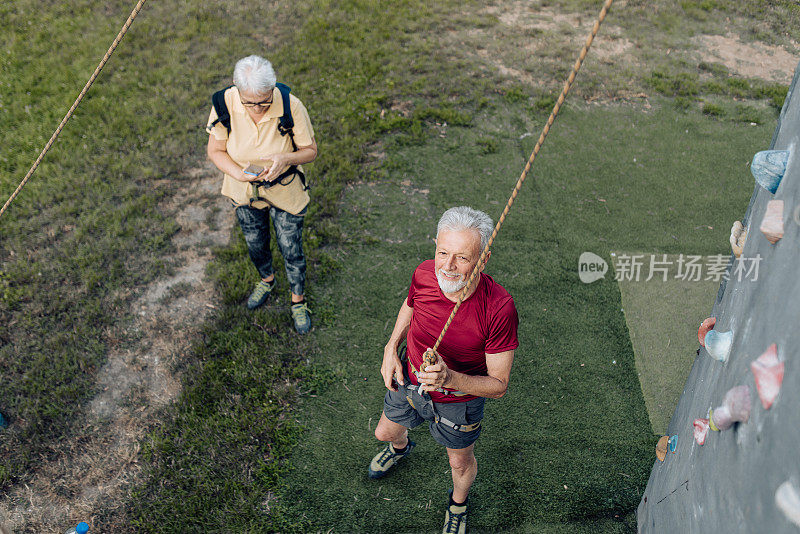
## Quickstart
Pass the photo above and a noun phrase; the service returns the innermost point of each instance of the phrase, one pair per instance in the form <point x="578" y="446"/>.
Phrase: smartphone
<point x="254" y="170"/>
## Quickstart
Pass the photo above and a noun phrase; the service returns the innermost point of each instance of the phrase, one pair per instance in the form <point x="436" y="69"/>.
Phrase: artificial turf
<point x="571" y="442"/>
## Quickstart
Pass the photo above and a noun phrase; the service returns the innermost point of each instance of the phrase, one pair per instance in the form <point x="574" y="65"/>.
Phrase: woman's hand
<point x="280" y="162"/>
<point x="244" y="177"/>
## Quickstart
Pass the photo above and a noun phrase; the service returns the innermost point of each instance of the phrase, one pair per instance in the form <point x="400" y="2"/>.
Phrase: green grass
<point x="86" y="230"/>
<point x="376" y="77"/>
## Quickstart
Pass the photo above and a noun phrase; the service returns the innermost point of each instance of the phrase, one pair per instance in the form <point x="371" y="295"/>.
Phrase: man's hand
<point x="280" y="162"/>
<point x="434" y="376"/>
<point x="391" y="368"/>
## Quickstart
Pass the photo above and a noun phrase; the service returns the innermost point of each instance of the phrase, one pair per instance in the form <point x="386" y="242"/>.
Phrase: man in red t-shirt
<point x="473" y="361"/>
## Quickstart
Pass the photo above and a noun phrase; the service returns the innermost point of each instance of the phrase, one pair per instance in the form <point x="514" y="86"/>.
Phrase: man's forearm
<point x="402" y="325"/>
<point x="480" y="386"/>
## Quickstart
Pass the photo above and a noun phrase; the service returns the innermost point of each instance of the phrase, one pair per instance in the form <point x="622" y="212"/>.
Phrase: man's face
<point x="457" y="252"/>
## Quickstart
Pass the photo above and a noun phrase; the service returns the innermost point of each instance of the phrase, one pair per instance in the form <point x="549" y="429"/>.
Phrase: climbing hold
<point x="672" y="443"/>
<point x="661" y="448"/>
<point x="769" y="375"/>
<point x="737" y="239"/>
<point x="735" y="409"/>
<point x="3" y="422"/>
<point x="705" y="326"/>
<point x="700" y="430"/>
<point x="768" y="168"/>
<point x="718" y="344"/>
<point x="787" y="498"/>
<point x="711" y="424"/>
<point x="772" y="223"/>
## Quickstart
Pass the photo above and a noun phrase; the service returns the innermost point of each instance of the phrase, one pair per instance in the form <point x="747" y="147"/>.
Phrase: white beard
<point x="450" y="286"/>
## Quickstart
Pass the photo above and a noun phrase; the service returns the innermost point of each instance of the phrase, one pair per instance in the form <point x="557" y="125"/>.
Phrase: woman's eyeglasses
<point x="262" y="104"/>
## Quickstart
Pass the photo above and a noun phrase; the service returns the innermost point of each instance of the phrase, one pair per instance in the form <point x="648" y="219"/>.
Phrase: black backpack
<point x="285" y="126"/>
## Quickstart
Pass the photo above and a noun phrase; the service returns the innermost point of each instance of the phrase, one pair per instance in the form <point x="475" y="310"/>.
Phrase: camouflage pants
<point x="288" y="229"/>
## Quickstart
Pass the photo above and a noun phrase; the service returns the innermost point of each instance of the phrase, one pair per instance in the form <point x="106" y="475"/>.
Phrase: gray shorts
<point x="399" y="409"/>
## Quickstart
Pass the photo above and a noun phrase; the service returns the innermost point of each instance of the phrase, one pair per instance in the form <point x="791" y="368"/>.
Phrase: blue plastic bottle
<point x="82" y="528"/>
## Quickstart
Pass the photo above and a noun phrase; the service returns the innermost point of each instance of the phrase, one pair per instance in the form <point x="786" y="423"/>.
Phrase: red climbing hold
<point x="769" y="375"/>
<point x="705" y="326"/>
<point x="735" y="408"/>
<point x="700" y="430"/>
<point x="772" y="223"/>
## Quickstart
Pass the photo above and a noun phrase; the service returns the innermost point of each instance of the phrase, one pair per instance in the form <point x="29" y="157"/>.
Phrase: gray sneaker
<point x="455" y="519"/>
<point x="302" y="317"/>
<point x="260" y="294"/>
<point x="386" y="459"/>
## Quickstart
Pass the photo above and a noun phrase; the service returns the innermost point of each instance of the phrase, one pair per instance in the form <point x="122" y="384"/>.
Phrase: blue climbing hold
<point x="768" y="168"/>
<point x="718" y="344"/>
<point x="672" y="444"/>
<point x="3" y="421"/>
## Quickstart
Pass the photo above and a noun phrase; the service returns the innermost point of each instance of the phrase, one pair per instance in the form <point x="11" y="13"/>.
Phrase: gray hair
<point x="464" y="218"/>
<point x="254" y="74"/>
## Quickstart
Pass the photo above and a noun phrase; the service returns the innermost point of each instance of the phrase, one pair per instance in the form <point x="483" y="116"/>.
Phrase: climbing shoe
<point x="386" y="459"/>
<point x="260" y="294"/>
<point x="455" y="518"/>
<point x="302" y="317"/>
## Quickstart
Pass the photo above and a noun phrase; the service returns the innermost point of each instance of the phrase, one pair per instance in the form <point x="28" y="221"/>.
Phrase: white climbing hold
<point x="718" y="344"/>
<point x="735" y="409"/>
<point x="787" y="498"/>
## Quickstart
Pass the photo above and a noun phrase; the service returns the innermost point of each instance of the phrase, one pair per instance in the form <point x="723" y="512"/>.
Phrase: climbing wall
<point x="745" y="477"/>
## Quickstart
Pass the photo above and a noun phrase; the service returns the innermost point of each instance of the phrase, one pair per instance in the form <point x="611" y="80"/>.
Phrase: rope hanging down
<point x="528" y="165"/>
<point x="86" y="87"/>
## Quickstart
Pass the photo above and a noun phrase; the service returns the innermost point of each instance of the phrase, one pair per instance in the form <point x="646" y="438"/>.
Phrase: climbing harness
<point x="285" y="127"/>
<point x="567" y="84"/>
<point x="86" y="87"/>
<point x="436" y="417"/>
<point x="429" y="401"/>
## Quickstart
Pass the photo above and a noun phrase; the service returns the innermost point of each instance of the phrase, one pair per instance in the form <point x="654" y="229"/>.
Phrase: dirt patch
<point x="544" y="24"/>
<point x="752" y="60"/>
<point x="535" y="46"/>
<point x="97" y="468"/>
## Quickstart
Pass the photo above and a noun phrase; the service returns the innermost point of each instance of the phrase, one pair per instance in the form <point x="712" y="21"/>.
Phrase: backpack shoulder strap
<point x="223" y="116"/>
<point x="287" y="122"/>
<point x="285" y="127"/>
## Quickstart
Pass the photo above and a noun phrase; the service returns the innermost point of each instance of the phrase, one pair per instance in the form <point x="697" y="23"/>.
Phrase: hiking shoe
<point x="386" y="459"/>
<point x="455" y="518"/>
<point x="302" y="319"/>
<point x="260" y="294"/>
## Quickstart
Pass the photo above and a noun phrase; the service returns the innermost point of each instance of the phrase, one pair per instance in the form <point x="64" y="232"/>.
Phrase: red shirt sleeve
<point x="503" y="328"/>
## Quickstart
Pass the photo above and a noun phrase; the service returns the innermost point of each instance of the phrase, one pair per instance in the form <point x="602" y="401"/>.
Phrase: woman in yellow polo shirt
<point x="256" y="106"/>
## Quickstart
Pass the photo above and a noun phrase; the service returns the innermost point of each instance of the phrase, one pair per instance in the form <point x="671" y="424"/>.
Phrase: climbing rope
<point x="86" y="87"/>
<point x="528" y="165"/>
